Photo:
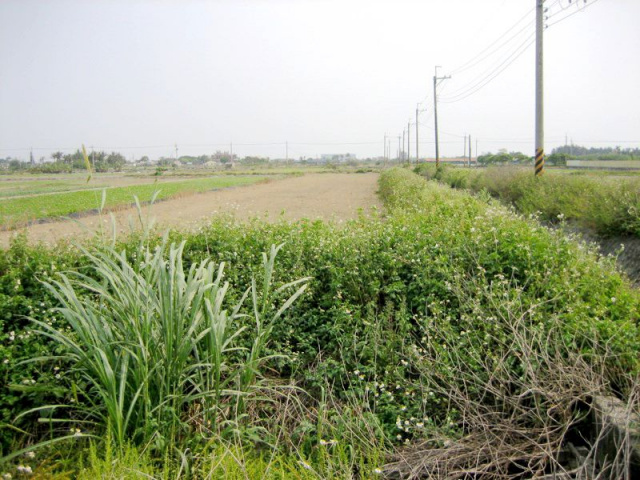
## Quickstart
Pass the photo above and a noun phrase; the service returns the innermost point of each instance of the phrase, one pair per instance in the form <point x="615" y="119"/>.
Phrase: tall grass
<point x="610" y="206"/>
<point x="155" y="346"/>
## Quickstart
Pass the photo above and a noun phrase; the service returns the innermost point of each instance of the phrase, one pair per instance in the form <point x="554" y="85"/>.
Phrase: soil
<point x="330" y="196"/>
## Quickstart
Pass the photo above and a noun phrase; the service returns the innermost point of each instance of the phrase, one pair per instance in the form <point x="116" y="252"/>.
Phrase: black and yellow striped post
<point x="539" y="161"/>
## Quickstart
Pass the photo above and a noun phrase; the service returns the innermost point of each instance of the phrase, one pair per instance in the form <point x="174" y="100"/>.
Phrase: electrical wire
<point x="464" y="65"/>
<point x="530" y="26"/>
<point x="472" y="89"/>
<point x="572" y="14"/>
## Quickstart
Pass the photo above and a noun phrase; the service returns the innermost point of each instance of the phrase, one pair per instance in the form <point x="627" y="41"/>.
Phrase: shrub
<point x="609" y="207"/>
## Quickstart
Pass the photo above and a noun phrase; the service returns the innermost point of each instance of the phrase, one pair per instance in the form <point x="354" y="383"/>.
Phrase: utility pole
<point x="417" y="136"/>
<point x="403" y="150"/>
<point x="469" y="151"/>
<point x="436" y="80"/>
<point x="409" y="141"/>
<point x="384" y="156"/>
<point x="176" y="145"/>
<point x="231" y="150"/>
<point x="539" y="168"/>
<point x="464" y="155"/>
<point x="399" y="148"/>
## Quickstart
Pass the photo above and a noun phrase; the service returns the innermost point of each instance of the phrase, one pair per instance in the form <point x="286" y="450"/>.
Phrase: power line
<point x="582" y="9"/>
<point x="480" y="59"/>
<point x="477" y="86"/>
<point x="463" y="66"/>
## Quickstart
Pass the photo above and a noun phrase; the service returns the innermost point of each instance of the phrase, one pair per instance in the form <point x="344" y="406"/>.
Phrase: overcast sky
<point x="327" y="76"/>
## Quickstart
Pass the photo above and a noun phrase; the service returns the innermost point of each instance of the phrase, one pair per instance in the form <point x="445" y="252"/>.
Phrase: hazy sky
<point x="328" y="76"/>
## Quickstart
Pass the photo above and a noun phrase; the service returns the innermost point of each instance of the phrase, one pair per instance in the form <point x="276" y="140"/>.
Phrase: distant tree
<point x="599" y="153"/>
<point x="57" y="156"/>
<point x="503" y="157"/>
<point x="115" y="161"/>
<point x="557" y="159"/>
<point x="16" y="165"/>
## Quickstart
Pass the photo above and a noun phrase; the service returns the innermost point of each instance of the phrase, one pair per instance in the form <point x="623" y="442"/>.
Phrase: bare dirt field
<point x="330" y="196"/>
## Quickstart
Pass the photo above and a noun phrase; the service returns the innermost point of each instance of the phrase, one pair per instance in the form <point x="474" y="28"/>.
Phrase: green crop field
<point x="39" y="204"/>
<point x="447" y="326"/>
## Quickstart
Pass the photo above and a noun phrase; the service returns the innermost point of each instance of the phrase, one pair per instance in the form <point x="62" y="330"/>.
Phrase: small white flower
<point x="304" y="465"/>
<point x="613" y="299"/>
<point x="30" y="455"/>
<point x="328" y="443"/>
<point x="377" y="471"/>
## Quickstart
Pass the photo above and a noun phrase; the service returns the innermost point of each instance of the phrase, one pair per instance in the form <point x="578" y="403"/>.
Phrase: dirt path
<point x="315" y="196"/>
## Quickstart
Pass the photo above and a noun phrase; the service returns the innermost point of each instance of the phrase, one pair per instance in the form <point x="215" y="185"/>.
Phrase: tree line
<point x="65" y="163"/>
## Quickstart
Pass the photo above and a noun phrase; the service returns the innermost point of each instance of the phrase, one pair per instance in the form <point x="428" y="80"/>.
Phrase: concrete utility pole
<point x="464" y="155"/>
<point x="409" y="142"/>
<point x="384" y="156"/>
<point x="231" y="150"/>
<point x="403" y="150"/>
<point x="436" y="80"/>
<point x="176" y="145"/>
<point x="399" y="147"/>
<point x="539" y="168"/>
<point x="417" y="136"/>
<point x="469" y="151"/>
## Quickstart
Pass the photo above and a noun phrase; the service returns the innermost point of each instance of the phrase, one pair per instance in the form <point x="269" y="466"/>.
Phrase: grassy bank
<point x="445" y="321"/>
<point x="606" y="204"/>
<point x="17" y="211"/>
